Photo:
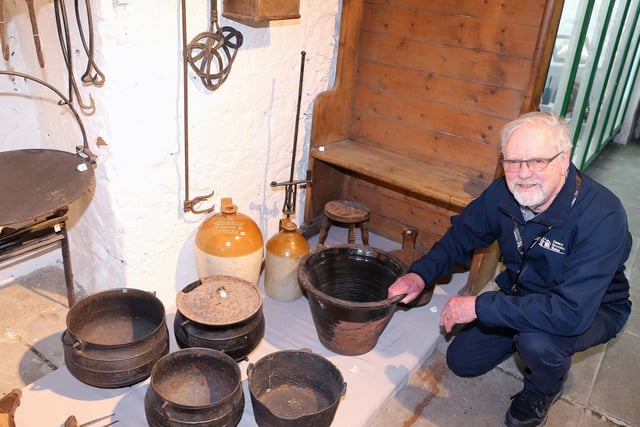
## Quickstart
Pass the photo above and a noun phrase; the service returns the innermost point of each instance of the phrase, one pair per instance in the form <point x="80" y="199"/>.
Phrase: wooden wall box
<point x="261" y="10"/>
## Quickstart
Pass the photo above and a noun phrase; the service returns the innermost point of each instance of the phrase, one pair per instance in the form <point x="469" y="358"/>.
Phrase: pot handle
<point x="69" y="341"/>
<point x="184" y="325"/>
<point x="166" y="412"/>
<point x="344" y="389"/>
<point x="250" y="369"/>
<point x="191" y="286"/>
<point x="396" y="299"/>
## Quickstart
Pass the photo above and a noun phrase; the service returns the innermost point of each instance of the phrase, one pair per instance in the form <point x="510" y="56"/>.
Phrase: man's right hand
<point x="410" y="284"/>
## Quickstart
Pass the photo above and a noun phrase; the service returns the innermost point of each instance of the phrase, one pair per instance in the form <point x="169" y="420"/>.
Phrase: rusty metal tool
<point x="36" y="33"/>
<point x="8" y="405"/>
<point x="71" y="421"/>
<point x="3" y="34"/>
<point x="291" y="186"/>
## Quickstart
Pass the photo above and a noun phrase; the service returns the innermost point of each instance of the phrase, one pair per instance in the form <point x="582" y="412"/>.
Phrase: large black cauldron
<point x="114" y="337"/>
<point x="294" y="389"/>
<point x="347" y="288"/>
<point x="194" y="387"/>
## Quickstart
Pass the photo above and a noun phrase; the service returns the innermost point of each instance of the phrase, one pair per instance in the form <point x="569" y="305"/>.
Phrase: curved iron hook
<point x="190" y="205"/>
<point x="92" y="73"/>
<point x="62" y="25"/>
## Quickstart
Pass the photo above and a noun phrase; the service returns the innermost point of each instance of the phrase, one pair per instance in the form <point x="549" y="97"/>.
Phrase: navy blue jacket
<point x="575" y="267"/>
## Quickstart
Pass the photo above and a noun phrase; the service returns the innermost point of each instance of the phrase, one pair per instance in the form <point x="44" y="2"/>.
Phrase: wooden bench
<point x="411" y="125"/>
<point x="442" y="185"/>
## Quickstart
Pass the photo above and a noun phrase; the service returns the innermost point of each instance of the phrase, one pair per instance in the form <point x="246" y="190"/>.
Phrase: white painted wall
<point x="131" y="231"/>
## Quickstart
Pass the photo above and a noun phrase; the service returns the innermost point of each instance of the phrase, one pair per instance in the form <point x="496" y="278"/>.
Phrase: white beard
<point x="531" y="198"/>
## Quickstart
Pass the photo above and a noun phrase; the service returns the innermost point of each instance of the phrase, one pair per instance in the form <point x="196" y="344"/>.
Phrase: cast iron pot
<point x="347" y="288"/>
<point x="194" y="387"/>
<point x="294" y="388"/>
<point x="114" y="337"/>
<point x="197" y="324"/>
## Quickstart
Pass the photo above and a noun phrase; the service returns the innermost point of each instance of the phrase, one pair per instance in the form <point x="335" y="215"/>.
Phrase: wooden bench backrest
<point x="436" y="80"/>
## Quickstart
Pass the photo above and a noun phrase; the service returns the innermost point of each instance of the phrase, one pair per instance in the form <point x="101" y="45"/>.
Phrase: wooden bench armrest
<point x="449" y="187"/>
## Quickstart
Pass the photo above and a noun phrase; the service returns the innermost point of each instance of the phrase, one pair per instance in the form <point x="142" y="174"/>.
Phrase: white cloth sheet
<point x="372" y="378"/>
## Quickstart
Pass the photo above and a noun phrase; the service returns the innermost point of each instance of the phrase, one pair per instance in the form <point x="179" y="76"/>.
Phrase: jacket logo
<point x="552" y="245"/>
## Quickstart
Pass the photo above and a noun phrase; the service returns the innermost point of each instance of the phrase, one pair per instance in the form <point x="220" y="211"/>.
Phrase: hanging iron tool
<point x="92" y="74"/>
<point x="291" y="186"/>
<point x="3" y="34"/>
<point x="36" y="33"/>
<point x="189" y="204"/>
<point x="211" y="53"/>
<point x="62" y="23"/>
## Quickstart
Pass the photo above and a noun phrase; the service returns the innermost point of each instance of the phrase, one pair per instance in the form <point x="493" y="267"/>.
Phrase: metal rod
<point x="62" y="24"/>
<point x="295" y="131"/>
<point x="36" y="33"/>
<point x="188" y="204"/>
<point x="185" y="106"/>
<point x="291" y="186"/>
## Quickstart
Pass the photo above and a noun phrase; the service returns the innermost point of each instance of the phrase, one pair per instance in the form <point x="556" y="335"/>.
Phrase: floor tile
<point x="616" y="388"/>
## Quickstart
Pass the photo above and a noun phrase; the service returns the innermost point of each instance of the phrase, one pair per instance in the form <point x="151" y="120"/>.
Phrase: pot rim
<point x="212" y="352"/>
<point x="88" y="299"/>
<point x="354" y="305"/>
<point x="268" y="358"/>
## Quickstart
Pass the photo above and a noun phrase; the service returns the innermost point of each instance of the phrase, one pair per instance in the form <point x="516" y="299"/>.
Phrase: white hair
<point x="557" y="125"/>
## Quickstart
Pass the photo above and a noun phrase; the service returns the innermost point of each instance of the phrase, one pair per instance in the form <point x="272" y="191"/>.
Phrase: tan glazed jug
<point x="284" y="251"/>
<point x="229" y="243"/>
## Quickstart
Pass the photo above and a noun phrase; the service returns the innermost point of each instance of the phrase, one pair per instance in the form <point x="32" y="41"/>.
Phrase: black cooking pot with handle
<point x="220" y="312"/>
<point x="295" y="388"/>
<point x="194" y="387"/>
<point x="114" y="337"/>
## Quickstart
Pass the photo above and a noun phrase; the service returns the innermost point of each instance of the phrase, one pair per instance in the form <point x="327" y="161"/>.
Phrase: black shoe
<point x="529" y="410"/>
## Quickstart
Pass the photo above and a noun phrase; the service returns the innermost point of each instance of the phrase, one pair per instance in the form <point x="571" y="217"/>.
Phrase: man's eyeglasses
<point x="535" y="165"/>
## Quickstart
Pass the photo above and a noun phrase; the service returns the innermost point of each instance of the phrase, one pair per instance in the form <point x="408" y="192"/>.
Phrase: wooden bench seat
<point x="444" y="186"/>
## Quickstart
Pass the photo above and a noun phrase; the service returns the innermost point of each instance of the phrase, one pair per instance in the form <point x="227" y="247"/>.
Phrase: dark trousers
<point x="477" y="349"/>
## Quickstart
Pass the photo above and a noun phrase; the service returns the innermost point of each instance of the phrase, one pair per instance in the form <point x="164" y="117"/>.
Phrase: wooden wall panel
<point x="457" y="30"/>
<point x="446" y="118"/>
<point x="467" y="95"/>
<point x="440" y="148"/>
<point x="523" y="12"/>
<point x="486" y="67"/>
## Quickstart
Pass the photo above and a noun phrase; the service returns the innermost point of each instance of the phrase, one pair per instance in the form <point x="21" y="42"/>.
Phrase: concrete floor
<point x="601" y="390"/>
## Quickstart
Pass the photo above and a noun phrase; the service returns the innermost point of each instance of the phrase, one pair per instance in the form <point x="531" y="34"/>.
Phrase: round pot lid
<point x="219" y="300"/>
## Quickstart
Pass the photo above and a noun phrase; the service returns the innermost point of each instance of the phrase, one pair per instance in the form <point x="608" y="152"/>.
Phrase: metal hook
<point x="62" y="25"/>
<point x="190" y="205"/>
<point x="92" y="74"/>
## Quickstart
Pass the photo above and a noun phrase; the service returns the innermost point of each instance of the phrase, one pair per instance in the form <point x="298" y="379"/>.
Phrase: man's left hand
<point x="458" y="310"/>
